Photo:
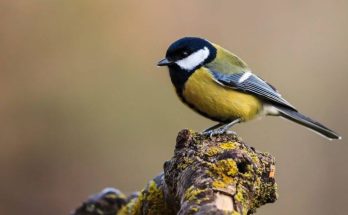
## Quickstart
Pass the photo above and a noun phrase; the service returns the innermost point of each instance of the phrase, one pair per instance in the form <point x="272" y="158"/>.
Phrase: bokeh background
<point x="82" y="99"/>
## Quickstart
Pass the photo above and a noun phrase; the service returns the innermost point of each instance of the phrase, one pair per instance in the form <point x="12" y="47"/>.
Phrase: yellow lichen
<point x="154" y="193"/>
<point x="239" y="197"/>
<point x="185" y="163"/>
<point x="249" y="174"/>
<point x="194" y="209"/>
<point x="192" y="132"/>
<point x="240" y="176"/>
<point x="155" y="199"/>
<point x="219" y="184"/>
<point x="228" y="145"/>
<point x="133" y="206"/>
<point x="212" y="151"/>
<point x="191" y="193"/>
<point x="224" y="182"/>
<point x="228" y="167"/>
<point x="224" y="170"/>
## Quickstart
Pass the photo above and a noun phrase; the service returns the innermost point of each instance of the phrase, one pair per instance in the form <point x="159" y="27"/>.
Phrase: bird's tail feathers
<point x="307" y="122"/>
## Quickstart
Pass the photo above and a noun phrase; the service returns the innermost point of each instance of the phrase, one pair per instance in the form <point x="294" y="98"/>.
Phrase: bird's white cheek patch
<point x="193" y="60"/>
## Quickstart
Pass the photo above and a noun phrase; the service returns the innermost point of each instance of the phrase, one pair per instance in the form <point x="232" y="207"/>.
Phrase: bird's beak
<point x="164" y="62"/>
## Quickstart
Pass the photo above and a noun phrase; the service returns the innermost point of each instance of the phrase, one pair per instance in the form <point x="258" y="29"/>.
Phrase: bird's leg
<point x="217" y="129"/>
<point x="213" y="127"/>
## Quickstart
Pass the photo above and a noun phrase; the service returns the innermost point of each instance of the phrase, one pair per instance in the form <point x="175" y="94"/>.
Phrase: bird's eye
<point x="180" y="54"/>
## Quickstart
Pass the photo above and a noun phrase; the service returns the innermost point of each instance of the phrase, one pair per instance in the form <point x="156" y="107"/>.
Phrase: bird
<point x="220" y="86"/>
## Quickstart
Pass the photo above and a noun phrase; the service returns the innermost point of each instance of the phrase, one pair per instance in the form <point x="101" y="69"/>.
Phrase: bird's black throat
<point x="179" y="78"/>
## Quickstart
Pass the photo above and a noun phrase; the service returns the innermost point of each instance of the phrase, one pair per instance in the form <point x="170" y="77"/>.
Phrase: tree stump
<point x="206" y="175"/>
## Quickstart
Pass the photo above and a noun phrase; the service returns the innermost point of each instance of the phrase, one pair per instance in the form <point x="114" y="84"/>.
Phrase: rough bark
<point x="206" y="175"/>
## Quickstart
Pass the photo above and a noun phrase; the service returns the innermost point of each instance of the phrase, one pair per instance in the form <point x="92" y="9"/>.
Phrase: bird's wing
<point x="248" y="82"/>
<point x="227" y="62"/>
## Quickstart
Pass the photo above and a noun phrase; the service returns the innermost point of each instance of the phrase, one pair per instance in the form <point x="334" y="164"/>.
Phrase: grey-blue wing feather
<point x="252" y="84"/>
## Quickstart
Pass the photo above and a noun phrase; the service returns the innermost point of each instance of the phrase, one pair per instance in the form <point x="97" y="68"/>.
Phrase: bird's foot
<point x="218" y="131"/>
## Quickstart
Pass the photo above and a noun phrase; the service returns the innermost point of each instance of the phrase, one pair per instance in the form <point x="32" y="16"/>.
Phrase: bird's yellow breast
<point x="217" y="101"/>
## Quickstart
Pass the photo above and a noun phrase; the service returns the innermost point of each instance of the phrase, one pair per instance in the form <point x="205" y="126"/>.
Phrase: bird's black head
<point x="189" y="53"/>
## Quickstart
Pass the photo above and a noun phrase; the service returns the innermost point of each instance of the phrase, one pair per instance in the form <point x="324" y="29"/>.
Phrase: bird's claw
<point x="218" y="131"/>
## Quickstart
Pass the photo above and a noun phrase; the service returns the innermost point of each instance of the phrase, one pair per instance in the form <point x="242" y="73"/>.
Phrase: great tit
<point x="220" y="86"/>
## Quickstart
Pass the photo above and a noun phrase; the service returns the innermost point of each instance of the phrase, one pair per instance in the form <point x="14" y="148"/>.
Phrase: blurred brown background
<point x="81" y="96"/>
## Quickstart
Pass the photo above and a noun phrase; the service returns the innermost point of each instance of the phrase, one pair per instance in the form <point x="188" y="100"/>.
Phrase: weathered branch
<point x="206" y="175"/>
